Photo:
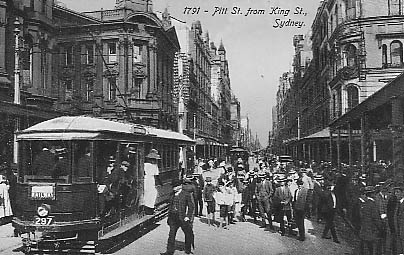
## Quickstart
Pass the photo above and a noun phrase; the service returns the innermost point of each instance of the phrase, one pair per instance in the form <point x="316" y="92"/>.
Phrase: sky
<point x="257" y="36"/>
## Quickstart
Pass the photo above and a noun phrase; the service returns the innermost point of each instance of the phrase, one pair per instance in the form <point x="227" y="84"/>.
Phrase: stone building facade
<point x="116" y="64"/>
<point x="203" y="91"/>
<point x="356" y="50"/>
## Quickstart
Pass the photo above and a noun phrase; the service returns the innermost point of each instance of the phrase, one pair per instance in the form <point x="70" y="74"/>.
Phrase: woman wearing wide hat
<point x="151" y="173"/>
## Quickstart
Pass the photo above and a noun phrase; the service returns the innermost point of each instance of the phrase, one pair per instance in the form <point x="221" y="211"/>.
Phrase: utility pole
<point x="17" y="99"/>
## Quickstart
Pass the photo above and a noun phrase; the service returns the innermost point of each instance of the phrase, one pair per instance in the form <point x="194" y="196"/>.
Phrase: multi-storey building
<point x="116" y="64"/>
<point x="199" y="113"/>
<point x="357" y="49"/>
<point x="26" y="44"/>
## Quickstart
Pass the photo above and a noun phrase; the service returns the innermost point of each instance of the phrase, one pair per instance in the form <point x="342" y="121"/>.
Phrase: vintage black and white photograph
<point x="205" y="127"/>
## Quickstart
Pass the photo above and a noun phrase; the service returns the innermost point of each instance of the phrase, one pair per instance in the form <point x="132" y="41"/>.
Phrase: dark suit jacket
<point x="186" y="207"/>
<point x="283" y="196"/>
<point x="300" y="199"/>
<point x="327" y="203"/>
<point x="264" y="190"/>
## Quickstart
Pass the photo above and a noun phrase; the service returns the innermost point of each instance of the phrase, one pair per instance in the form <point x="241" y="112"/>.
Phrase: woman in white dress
<point x="151" y="171"/>
<point x="5" y="205"/>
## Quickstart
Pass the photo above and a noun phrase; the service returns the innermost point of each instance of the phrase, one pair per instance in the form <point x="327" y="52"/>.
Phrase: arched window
<point x="352" y="56"/>
<point x="384" y="55"/>
<point x="353" y="96"/>
<point x="395" y="7"/>
<point x="396" y="53"/>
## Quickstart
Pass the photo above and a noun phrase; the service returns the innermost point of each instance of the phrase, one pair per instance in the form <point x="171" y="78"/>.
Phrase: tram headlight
<point x="43" y="210"/>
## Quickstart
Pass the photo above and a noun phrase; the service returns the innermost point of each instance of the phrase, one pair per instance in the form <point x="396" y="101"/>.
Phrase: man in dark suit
<point x="299" y="207"/>
<point x="329" y="204"/>
<point x="264" y="192"/>
<point x="282" y="200"/>
<point x="180" y="214"/>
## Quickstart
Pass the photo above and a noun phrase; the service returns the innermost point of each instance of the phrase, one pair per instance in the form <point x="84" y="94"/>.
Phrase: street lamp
<point x="17" y="31"/>
<point x="17" y="99"/>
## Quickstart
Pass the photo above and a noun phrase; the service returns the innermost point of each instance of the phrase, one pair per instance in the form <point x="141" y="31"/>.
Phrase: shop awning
<point x="30" y="111"/>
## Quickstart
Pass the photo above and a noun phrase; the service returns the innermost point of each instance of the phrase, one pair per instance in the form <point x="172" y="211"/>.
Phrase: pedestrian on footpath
<point x="329" y="209"/>
<point x="209" y="196"/>
<point x="180" y="215"/>
<point x="381" y="200"/>
<point x="282" y="200"/>
<point x="370" y="222"/>
<point x="223" y="200"/>
<point x="264" y="192"/>
<point x="299" y="208"/>
<point x="397" y="226"/>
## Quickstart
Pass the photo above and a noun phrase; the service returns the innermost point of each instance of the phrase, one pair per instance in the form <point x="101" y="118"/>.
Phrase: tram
<point x="69" y="202"/>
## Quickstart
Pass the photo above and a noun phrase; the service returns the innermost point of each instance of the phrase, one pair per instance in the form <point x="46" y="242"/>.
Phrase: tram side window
<point x="83" y="161"/>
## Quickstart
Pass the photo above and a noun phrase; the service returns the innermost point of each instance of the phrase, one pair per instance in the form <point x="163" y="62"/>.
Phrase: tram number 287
<point x="43" y="221"/>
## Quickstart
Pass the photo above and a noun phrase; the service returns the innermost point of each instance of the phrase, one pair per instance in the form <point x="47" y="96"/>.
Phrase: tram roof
<point x="84" y="127"/>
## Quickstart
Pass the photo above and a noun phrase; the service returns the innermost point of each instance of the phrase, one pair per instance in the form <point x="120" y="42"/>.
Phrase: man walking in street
<point x="180" y="214"/>
<point x="264" y="192"/>
<point x="282" y="202"/>
<point x="329" y="209"/>
<point x="299" y="207"/>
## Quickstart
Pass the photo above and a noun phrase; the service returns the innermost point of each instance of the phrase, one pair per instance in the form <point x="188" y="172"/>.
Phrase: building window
<point x="384" y="56"/>
<point x="351" y="9"/>
<point x="89" y="90"/>
<point x="44" y="6"/>
<point x="112" y="53"/>
<point x="89" y="54"/>
<point x="353" y="96"/>
<point x="351" y="55"/>
<point x="26" y="62"/>
<point x="137" y="54"/>
<point x="68" y="89"/>
<point x="44" y="65"/>
<point x="396" y="53"/>
<point x="68" y="55"/>
<point x="395" y="7"/>
<point x="112" y="89"/>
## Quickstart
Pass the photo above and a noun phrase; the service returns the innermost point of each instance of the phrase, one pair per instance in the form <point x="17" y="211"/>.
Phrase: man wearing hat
<point x="299" y="207"/>
<point x="282" y="200"/>
<point x="395" y="216"/>
<point x="180" y="215"/>
<point x="366" y="213"/>
<point x="198" y="182"/>
<point x="151" y="174"/>
<point x="381" y="200"/>
<point x="264" y="192"/>
<point x="317" y="193"/>
<point x="329" y="208"/>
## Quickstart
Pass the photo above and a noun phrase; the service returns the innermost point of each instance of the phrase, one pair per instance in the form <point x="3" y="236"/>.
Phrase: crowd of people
<point x="287" y="194"/>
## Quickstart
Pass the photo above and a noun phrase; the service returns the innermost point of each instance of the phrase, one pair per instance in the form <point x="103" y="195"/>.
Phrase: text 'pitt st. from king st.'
<point x="283" y="17"/>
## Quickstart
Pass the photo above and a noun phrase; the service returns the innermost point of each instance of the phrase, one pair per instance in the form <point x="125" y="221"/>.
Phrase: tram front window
<point x="45" y="161"/>
<point x="56" y="161"/>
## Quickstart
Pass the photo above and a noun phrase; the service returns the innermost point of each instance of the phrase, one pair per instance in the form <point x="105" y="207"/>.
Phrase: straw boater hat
<point x="153" y="154"/>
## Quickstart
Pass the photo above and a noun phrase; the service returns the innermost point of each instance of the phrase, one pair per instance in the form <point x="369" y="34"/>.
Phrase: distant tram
<point x="63" y="204"/>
